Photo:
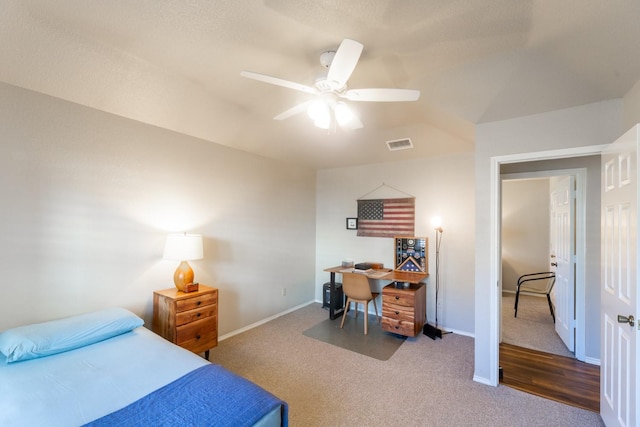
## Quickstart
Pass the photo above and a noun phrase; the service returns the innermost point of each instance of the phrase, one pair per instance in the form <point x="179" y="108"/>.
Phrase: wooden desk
<point x="384" y="274"/>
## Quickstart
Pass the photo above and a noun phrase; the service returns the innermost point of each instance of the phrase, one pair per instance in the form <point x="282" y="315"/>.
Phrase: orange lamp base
<point x="183" y="275"/>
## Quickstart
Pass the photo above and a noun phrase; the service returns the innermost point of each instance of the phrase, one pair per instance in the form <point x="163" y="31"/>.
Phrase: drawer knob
<point x="199" y="302"/>
<point x="397" y="297"/>
<point x="397" y="312"/>
<point x="197" y="337"/>
<point x="198" y="315"/>
<point x="397" y="327"/>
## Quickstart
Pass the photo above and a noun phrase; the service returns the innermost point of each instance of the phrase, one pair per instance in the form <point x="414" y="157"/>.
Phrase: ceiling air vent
<point x="399" y="144"/>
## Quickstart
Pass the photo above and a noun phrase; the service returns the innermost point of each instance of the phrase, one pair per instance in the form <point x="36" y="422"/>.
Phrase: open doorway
<point x="538" y="237"/>
<point x="587" y="246"/>
<point x="584" y="259"/>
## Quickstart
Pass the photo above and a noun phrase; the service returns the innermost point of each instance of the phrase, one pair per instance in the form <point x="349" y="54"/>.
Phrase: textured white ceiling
<point x="176" y="64"/>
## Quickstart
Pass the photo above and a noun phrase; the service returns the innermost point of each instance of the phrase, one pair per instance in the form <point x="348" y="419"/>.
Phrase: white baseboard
<point x="592" y="361"/>
<point x="483" y="380"/>
<point x="275" y="316"/>
<point x="457" y="332"/>
<point x="531" y="294"/>
<point x="263" y="321"/>
<point x="443" y="328"/>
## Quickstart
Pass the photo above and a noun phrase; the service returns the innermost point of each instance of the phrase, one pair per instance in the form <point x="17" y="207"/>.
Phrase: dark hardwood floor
<point x="554" y="377"/>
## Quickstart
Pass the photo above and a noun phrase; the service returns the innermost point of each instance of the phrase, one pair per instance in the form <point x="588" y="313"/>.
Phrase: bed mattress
<point x="79" y="386"/>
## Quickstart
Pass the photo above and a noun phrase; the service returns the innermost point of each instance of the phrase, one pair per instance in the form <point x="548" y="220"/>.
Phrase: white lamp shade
<point x="343" y="113"/>
<point x="323" y="112"/>
<point x="320" y="113"/>
<point x="317" y="110"/>
<point x="183" y="247"/>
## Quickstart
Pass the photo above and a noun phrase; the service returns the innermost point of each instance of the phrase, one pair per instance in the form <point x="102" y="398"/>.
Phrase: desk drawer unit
<point x="404" y="309"/>
<point x="189" y="320"/>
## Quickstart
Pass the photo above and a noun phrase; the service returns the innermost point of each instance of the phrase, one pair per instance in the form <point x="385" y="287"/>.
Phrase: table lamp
<point x="183" y="247"/>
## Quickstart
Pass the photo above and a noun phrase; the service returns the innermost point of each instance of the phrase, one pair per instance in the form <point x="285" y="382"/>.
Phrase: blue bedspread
<point x="207" y="396"/>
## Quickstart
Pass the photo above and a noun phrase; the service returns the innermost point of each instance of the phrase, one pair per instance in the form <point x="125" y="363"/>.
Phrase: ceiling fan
<point x="327" y="108"/>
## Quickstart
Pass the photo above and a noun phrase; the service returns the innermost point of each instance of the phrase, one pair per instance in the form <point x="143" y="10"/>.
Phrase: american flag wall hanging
<point x="386" y="217"/>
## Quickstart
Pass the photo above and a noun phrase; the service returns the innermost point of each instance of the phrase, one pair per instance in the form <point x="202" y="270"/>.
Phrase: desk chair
<point x="544" y="285"/>
<point x="356" y="287"/>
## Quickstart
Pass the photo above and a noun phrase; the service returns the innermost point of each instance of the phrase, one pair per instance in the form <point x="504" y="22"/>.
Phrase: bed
<point x="105" y="368"/>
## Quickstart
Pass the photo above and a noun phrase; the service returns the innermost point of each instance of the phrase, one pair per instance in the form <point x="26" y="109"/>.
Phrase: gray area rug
<point x="377" y="343"/>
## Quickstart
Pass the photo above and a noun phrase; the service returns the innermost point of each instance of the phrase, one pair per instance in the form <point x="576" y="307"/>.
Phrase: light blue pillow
<point x="57" y="336"/>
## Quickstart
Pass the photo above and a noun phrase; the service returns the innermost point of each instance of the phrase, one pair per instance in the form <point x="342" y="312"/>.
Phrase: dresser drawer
<point x="398" y="312"/>
<point x="200" y="344"/>
<point x="404" y="300"/>
<point x="204" y="330"/>
<point x="196" y="314"/>
<point x="401" y="327"/>
<point x="195" y="302"/>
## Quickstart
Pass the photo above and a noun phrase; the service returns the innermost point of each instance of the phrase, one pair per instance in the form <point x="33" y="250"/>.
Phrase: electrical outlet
<point x="284" y="292"/>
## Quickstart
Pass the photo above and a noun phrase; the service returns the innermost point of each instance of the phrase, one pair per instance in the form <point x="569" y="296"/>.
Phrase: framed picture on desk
<point x="352" y="223"/>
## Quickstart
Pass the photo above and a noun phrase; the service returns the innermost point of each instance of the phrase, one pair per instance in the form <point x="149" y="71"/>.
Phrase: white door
<point x="618" y="296"/>
<point x="562" y="227"/>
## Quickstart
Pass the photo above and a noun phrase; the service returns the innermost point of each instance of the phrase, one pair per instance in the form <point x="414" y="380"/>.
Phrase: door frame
<point x="495" y="225"/>
<point x="580" y="225"/>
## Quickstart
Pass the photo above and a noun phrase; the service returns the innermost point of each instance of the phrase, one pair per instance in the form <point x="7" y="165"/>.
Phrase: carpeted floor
<point x="533" y="328"/>
<point x="377" y="343"/>
<point x="424" y="383"/>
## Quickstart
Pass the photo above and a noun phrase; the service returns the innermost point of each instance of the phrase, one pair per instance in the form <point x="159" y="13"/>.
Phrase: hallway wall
<point x="525" y="229"/>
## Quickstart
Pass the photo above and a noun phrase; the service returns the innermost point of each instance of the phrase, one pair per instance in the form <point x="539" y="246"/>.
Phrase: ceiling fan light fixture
<point x="323" y="122"/>
<point x="317" y="109"/>
<point x="343" y="113"/>
<point x="320" y="112"/>
<point x="326" y="112"/>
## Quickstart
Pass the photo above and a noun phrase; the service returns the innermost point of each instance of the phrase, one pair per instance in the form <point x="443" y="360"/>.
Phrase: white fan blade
<point x="300" y="108"/>
<point x="381" y="95"/>
<point x="280" y="82"/>
<point x="344" y="61"/>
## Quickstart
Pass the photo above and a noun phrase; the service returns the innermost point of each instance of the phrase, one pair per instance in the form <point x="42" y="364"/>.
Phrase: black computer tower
<point x="326" y="296"/>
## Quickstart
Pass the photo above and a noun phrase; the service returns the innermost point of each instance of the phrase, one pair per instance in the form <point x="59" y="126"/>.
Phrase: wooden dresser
<point x="404" y="310"/>
<point x="189" y="320"/>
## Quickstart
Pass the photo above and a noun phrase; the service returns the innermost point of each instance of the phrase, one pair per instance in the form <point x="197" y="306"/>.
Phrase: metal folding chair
<point x="533" y="283"/>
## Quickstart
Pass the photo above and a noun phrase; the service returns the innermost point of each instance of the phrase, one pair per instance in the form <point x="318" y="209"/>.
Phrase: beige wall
<point x="88" y="198"/>
<point x="525" y="229"/>
<point x="442" y="186"/>
<point x="632" y="106"/>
